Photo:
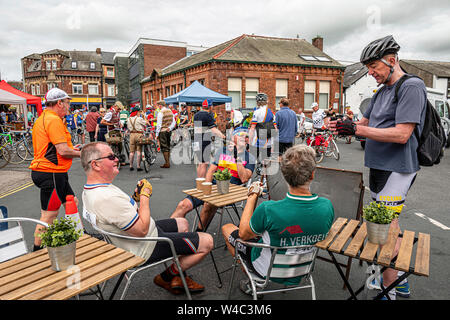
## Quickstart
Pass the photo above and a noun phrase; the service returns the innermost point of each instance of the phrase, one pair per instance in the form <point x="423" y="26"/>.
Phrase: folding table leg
<point x="117" y="285"/>
<point x="385" y="291"/>
<point x="347" y="284"/>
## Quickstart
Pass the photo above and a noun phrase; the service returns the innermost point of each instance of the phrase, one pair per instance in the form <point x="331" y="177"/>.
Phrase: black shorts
<point x="164" y="140"/>
<point x="284" y="146"/>
<point x="54" y="188"/>
<point x="244" y="251"/>
<point x="185" y="243"/>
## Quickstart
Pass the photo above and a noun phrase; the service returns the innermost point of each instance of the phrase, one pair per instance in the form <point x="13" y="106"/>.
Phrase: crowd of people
<point x="389" y="154"/>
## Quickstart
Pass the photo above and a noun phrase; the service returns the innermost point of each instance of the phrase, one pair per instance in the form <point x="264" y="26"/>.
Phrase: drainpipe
<point x="340" y="92"/>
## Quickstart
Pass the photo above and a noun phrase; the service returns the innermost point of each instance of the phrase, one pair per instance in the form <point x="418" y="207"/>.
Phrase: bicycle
<point x="324" y="145"/>
<point x="25" y="142"/>
<point x="17" y="152"/>
<point x="4" y="152"/>
<point x="149" y="148"/>
<point x="115" y="139"/>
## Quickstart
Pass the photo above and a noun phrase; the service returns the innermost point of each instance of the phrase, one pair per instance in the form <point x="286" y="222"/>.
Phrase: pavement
<point x="426" y="211"/>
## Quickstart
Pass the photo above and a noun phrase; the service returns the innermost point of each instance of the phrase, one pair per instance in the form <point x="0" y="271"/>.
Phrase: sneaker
<point x="402" y="289"/>
<point x="159" y="281"/>
<point x="245" y="286"/>
<point x="194" y="287"/>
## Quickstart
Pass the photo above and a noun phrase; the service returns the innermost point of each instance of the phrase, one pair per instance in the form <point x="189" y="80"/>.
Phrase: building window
<point x="111" y="90"/>
<point x="48" y="65"/>
<point x="251" y="90"/>
<point x="92" y="65"/>
<point x="37" y="89"/>
<point x="133" y="59"/>
<point x="234" y="91"/>
<point x="93" y="89"/>
<point x="51" y="85"/>
<point x="53" y="64"/>
<point x="77" y="88"/>
<point x="151" y="97"/>
<point x="167" y="92"/>
<point x="281" y="91"/>
<point x="110" y="72"/>
<point x="180" y="87"/>
<point x="74" y="64"/>
<point x="310" y="94"/>
<point x="324" y="94"/>
<point x="33" y="90"/>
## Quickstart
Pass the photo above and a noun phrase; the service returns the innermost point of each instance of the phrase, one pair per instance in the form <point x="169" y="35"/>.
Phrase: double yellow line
<point x="17" y="189"/>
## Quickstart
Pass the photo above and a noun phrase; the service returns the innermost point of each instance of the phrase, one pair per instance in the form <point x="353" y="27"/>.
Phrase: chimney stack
<point x="98" y="51"/>
<point x="318" y="42"/>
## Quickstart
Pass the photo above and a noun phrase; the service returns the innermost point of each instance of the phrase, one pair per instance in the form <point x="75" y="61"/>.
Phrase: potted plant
<point x="223" y="178"/>
<point x="378" y="220"/>
<point x="60" y="239"/>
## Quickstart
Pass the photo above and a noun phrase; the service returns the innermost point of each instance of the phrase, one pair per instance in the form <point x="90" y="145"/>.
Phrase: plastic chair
<point x="12" y="240"/>
<point x="134" y="271"/>
<point x="299" y="262"/>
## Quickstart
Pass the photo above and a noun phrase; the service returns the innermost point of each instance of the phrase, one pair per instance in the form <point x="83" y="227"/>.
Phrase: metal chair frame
<point x="307" y="254"/>
<point x="138" y="269"/>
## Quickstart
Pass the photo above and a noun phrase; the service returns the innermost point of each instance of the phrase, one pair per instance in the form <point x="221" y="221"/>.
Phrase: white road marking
<point x="436" y="223"/>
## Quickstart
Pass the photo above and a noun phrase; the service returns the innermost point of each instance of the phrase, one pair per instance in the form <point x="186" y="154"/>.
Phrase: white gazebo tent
<point x="10" y="98"/>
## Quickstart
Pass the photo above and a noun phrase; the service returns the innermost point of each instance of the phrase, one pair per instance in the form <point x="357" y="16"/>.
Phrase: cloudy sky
<point x="421" y="28"/>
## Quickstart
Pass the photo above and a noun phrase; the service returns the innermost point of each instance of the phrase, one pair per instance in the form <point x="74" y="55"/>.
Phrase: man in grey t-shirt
<point x="388" y="125"/>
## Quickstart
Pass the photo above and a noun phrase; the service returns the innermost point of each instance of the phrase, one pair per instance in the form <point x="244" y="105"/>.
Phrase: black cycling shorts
<point x="185" y="243"/>
<point x="54" y="188"/>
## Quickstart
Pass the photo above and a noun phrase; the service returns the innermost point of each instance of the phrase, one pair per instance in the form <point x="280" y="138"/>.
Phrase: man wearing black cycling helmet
<point x="388" y="124"/>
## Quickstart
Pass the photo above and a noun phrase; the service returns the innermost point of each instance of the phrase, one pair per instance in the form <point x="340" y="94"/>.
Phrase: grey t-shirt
<point x="410" y="108"/>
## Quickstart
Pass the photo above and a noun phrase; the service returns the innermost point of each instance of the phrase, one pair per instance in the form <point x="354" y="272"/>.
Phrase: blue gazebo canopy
<point x="195" y="94"/>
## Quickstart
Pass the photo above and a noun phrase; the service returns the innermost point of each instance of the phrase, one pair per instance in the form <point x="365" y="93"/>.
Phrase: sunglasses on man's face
<point x="111" y="157"/>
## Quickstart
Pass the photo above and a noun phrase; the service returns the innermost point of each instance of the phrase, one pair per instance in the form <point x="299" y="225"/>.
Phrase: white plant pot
<point x="377" y="233"/>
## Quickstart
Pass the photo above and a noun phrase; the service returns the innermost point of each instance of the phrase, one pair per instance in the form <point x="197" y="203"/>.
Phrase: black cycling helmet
<point x="261" y="97"/>
<point x="377" y="49"/>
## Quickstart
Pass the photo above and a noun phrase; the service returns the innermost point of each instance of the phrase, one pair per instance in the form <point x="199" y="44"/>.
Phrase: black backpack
<point x="432" y="140"/>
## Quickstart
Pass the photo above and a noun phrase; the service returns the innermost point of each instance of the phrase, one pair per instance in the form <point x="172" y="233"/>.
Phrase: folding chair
<point x="299" y="261"/>
<point x="134" y="271"/>
<point x="344" y="188"/>
<point x="12" y="240"/>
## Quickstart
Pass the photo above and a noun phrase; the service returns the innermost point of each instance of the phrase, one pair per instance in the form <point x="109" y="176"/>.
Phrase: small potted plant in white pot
<point x="60" y="239"/>
<point x="378" y="219"/>
<point x="223" y="178"/>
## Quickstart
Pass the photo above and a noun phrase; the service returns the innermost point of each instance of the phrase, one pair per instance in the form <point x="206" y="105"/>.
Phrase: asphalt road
<point x="426" y="211"/>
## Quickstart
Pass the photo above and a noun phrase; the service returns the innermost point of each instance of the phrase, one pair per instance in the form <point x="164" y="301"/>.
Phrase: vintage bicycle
<point x="324" y="145"/>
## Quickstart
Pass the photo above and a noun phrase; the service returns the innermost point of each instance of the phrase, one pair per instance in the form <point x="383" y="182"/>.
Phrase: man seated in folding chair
<point x="239" y="162"/>
<point x="301" y="218"/>
<point x="114" y="211"/>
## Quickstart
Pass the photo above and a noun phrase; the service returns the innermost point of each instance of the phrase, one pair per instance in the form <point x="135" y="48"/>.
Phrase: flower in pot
<point x="60" y="239"/>
<point x="378" y="219"/>
<point x="223" y="178"/>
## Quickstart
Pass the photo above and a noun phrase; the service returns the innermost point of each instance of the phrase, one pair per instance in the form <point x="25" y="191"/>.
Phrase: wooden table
<point x="30" y="277"/>
<point x="236" y="194"/>
<point x="353" y="233"/>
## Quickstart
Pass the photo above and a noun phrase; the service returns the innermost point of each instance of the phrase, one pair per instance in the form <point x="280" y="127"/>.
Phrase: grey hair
<point x="89" y="153"/>
<point x="298" y="164"/>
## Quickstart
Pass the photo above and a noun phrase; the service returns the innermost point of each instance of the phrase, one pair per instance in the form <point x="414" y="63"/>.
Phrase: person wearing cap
<point x="112" y="121"/>
<point x="318" y="117"/>
<point x="136" y="125"/>
<point x="53" y="154"/>
<point x="239" y="162"/>
<point x="388" y="126"/>
<point x="204" y="125"/>
<point x="261" y="127"/>
<point x="164" y="126"/>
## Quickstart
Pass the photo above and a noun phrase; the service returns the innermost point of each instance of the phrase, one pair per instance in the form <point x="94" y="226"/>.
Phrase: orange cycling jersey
<point x="48" y="131"/>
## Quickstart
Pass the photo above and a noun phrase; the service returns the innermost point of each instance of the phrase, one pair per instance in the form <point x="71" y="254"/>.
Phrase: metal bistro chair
<point x="12" y="240"/>
<point x="299" y="261"/>
<point x="134" y="271"/>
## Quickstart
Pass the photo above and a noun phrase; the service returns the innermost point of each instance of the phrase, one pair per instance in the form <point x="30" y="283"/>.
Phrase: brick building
<point x="80" y="73"/>
<point x="144" y="57"/>
<point x="243" y="66"/>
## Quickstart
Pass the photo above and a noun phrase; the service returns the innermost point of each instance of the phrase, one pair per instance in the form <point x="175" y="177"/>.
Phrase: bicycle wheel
<point x="319" y="150"/>
<point x="144" y="158"/>
<point x="14" y="154"/>
<point x="29" y="146"/>
<point x="22" y="150"/>
<point x="4" y="157"/>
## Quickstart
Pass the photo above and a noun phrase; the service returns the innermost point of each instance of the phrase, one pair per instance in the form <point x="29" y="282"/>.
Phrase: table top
<point x="354" y="233"/>
<point x="236" y="194"/>
<point x="30" y="277"/>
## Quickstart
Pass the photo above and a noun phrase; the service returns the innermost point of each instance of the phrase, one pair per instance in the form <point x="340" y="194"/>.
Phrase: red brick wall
<point x="158" y="57"/>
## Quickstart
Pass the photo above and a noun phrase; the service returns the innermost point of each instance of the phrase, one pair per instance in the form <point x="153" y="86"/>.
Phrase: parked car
<point x="307" y="125"/>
